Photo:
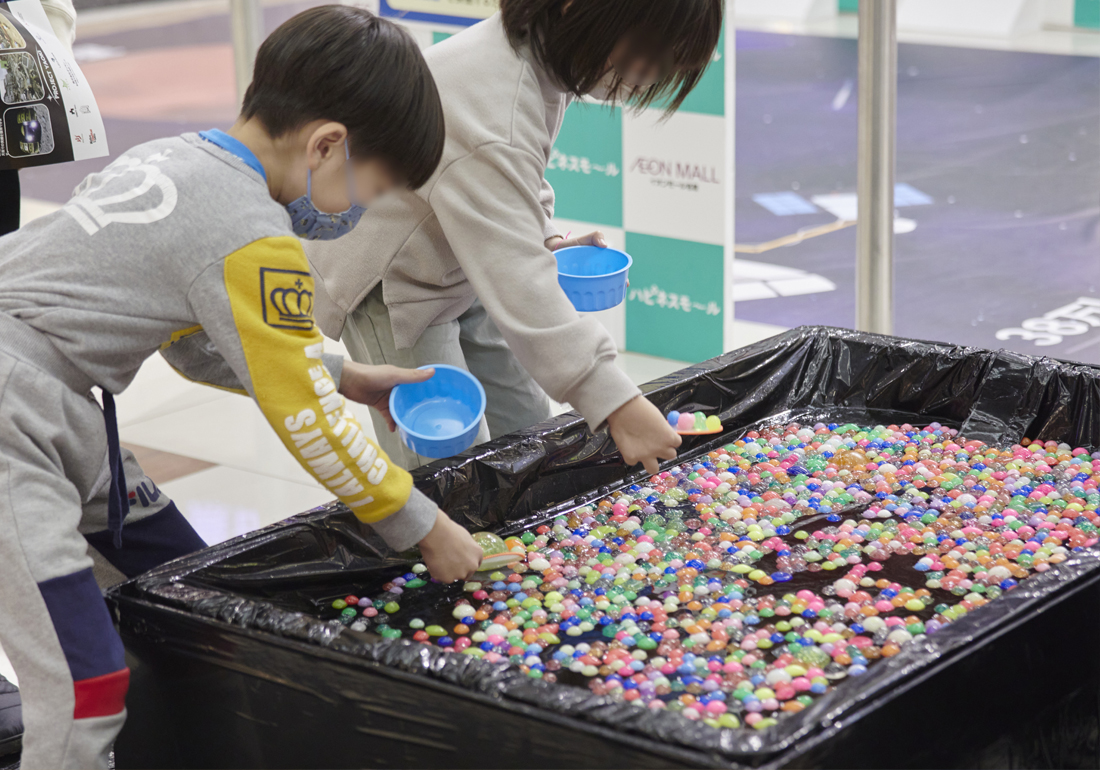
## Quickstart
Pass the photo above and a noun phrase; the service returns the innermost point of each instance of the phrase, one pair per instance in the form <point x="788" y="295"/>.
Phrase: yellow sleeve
<point x="270" y="292"/>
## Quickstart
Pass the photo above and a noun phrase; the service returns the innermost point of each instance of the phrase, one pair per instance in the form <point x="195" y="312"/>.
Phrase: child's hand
<point x="449" y="551"/>
<point x="643" y="434"/>
<point x="371" y="385"/>
<point x="592" y="239"/>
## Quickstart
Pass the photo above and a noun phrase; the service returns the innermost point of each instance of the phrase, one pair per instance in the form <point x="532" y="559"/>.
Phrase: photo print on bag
<point x="10" y="37"/>
<point x="28" y="130"/>
<point x="20" y="79"/>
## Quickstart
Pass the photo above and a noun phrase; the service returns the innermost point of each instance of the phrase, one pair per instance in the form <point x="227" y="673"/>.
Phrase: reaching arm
<point x="256" y="308"/>
<point x="546" y="200"/>
<point x="196" y="358"/>
<point x="489" y="205"/>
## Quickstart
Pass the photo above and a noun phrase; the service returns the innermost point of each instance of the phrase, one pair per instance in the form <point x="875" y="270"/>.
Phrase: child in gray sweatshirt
<point x="190" y="246"/>
<point x="461" y="271"/>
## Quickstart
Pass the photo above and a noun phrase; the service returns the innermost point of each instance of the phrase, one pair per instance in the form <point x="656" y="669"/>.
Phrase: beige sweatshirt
<point x="62" y="16"/>
<point x="478" y="228"/>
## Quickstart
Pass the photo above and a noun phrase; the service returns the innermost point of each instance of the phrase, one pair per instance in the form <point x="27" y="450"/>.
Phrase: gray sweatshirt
<point x="478" y="228"/>
<point x="178" y="247"/>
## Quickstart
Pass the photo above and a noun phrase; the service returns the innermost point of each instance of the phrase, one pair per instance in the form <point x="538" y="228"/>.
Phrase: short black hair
<point x="345" y="64"/>
<point x="575" y="43"/>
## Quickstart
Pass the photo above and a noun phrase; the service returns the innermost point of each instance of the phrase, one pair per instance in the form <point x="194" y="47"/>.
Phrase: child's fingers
<point x="388" y="376"/>
<point x="667" y="454"/>
<point x="385" y="412"/>
<point x="592" y="239"/>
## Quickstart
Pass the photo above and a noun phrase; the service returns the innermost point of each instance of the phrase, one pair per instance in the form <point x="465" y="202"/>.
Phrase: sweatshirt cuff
<point x="604" y="390"/>
<point x="550" y="230"/>
<point x="334" y="362"/>
<point x="410" y="525"/>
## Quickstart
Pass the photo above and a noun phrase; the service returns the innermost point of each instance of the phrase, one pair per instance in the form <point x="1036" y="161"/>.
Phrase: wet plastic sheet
<point x="234" y="668"/>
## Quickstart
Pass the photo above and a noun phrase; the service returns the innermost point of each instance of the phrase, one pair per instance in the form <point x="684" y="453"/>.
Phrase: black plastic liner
<point x="233" y="668"/>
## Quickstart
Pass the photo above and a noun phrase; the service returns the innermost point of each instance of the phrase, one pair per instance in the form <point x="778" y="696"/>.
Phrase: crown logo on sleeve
<point x="294" y="304"/>
<point x="287" y="298"/>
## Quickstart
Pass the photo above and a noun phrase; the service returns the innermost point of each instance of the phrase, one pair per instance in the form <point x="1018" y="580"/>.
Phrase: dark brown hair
<point x="575" y="43"/>
<point x="345" y="64"/>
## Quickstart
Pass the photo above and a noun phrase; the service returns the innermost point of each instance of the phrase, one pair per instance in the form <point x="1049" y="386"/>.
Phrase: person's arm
<point x="546" y="200"/>
<point x="62" y="16"/>
<point x="255" y="306"/>
<point x="196" y="358"/>
<point x="489" y="205"/>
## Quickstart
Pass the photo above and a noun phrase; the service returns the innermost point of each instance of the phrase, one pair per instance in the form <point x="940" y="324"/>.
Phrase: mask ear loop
<point x="350" y="179"/>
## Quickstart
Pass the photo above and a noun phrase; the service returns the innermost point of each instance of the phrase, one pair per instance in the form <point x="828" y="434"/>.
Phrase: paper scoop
<point x="495" y="554"/>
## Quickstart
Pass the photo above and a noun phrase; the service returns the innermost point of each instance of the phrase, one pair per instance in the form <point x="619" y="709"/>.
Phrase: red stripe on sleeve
<point x="101" y="696"/>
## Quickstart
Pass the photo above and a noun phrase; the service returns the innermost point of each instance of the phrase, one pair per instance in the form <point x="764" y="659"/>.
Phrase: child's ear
<point x="327" y="140"/>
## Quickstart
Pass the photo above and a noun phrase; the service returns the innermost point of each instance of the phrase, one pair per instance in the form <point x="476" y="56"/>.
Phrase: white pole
<point x="730" y="55"/>
<point x="878" y="65"/>
<point x="246" y="18"/>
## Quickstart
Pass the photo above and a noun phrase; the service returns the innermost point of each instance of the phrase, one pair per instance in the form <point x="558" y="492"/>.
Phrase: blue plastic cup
<point x="593" y="278"/>
<point x="439" y="417"/>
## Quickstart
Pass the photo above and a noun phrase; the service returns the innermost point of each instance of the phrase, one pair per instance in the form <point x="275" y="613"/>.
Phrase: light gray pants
<point x="54" y="624"/>
<point x="472" y="342"/>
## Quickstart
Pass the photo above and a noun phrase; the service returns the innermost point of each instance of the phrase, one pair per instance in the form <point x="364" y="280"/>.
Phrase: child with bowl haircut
<point x="190" y="246"/>
<point x="462" y="270"/>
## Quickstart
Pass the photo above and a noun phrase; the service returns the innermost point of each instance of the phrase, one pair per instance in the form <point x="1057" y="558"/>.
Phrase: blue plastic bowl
<point x="440" y="417"/>
<point x="593" y="278"/>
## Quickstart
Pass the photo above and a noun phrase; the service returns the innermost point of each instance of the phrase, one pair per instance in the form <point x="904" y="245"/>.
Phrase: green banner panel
<point x="586" y="165"/>
<point x="1086" y="13"/>
<point x="674" y="303"/>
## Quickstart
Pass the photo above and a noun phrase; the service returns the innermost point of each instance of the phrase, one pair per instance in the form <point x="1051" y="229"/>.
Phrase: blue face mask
<point x="314" y="225"/>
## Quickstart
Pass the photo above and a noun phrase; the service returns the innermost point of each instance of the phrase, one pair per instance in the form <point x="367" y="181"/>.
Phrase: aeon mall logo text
<point x="686" y="172"/>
